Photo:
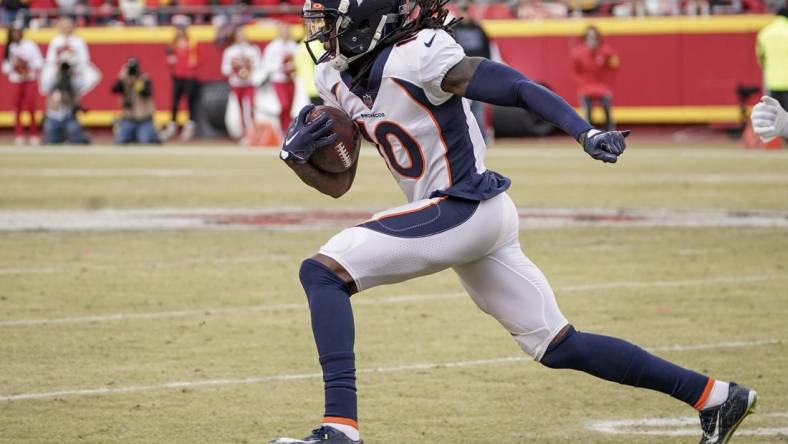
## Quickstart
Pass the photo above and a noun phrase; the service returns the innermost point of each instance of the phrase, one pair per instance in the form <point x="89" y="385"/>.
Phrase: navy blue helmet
<point x="351" y="28"/>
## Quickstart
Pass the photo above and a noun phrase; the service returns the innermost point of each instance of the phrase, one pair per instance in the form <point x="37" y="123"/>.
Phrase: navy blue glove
<point x="604" y="145"/>
<point x="304" y="138"/>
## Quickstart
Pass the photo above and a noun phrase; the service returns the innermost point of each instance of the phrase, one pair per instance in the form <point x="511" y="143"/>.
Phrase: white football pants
<point x="479" y="241"/>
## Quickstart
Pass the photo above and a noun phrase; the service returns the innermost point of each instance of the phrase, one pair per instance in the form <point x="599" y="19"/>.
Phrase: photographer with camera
<point x="136" y="93"/>
<point x="62" y="104"/>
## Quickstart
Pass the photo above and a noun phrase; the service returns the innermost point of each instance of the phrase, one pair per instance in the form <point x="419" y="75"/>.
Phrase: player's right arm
<point x="330" y="184"/>
<point x="304" y="138"/>
<point x="486" y="81"/>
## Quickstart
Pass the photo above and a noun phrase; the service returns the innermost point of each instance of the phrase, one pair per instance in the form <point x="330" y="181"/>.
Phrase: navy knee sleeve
<point x="619" y="361"/>
<point x="332" y="325"/>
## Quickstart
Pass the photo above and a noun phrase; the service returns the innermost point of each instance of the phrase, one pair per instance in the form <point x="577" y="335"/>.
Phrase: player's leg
<point x="171" y="128"/>
<point x="54" y="131"/>
<point x="414" y="240"/>
<point x="192" y="99"/>
<point x="284" y="92"/>
<point x="248" y="97"/>
<point x="606" y="102"/>
<point x="508" y="286"/>
<point x="17" y="98"/>
<point x="146" y="133"/>
<point x="237" y="92"/>
<point x="178" y="90"/>
<point x="588" y="106"/>
<point x="249" y="93"/>
<point x="31" y="105"/>
<point x="74" y="133"/>
<point x="328" y="292"/>
<point x="722" y="405"/>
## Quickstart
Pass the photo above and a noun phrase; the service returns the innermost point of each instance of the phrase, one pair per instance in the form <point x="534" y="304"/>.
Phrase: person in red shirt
<point x="595" y="64"/>
<point x="182" y="58"/>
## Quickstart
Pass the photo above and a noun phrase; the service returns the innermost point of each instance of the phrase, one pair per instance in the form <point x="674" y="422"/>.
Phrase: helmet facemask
<point x="322" y="25"/>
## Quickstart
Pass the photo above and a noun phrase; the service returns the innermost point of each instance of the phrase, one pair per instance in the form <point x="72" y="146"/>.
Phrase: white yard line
<point x="216" y="311"/>
<point x="530" y="149"/>
<point x="32" y="270"/>
<point x="659" y="178"/>
<point x="142" y="172"/>
<point x="125" y="172"/>
<point x="213" y="311"/>
<point x="718" y="345"/>
<point x="681" y="426"/>
<point x="146" y="219"/>
<point x="159" y="151"/>
<point x="675" y="283"/>
<point x="176" y="263"/>
<point x="302" y="376"/>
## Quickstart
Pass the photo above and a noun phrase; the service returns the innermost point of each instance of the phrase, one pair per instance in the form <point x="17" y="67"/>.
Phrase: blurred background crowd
<point x="39" y="13"/>
<point x="196" y="60"/>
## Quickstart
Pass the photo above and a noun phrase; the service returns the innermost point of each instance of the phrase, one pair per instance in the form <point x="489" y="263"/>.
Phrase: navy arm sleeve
<point x="499" y="84"/>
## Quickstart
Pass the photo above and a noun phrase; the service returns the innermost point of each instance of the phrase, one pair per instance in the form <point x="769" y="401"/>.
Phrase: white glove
<point x="769" y="119"/>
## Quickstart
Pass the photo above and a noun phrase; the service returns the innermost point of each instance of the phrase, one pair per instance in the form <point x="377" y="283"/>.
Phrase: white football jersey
<point x="70" y="48"/>
<point x="278" y="60"/>
<point x="241" y="64"/>
<point x="429" y="138"/>
<point x="24" y="61"/>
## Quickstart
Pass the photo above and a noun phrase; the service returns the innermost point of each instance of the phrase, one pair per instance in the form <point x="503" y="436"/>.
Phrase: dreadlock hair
<point x="432" y="14"/>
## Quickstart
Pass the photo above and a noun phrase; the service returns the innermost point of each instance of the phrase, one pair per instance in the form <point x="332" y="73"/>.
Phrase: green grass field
<point x="202" y="335"/>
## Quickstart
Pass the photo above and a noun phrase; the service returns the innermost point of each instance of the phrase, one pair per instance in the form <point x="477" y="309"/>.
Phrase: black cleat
<point x="322" y="435"/>
<point x="719" y="423"/>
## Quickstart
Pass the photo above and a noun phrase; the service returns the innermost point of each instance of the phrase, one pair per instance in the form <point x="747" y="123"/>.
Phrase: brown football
<point x="342" y="154"/>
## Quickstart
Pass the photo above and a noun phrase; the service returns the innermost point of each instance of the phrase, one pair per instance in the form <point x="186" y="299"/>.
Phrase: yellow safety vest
<point x="305" y="67"/>
<point x="772" y="51"/>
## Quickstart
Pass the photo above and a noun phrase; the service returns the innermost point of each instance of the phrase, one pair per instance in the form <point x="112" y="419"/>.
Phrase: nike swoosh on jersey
<point x="290" y="139"/>
<point x="428" y="44"/>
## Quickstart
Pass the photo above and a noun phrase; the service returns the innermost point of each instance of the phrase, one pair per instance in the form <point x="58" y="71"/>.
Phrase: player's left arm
<point x="480" y="79"/>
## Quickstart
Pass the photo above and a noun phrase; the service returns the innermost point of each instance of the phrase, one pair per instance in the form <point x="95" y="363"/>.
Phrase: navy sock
<point x="332" y="325"/>
<point x="625" y="363"/>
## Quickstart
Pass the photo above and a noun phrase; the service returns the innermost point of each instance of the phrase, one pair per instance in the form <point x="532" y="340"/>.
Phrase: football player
<point x="397" y="71"/>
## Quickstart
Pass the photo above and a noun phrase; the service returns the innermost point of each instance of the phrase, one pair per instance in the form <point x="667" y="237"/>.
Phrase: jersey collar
<point x="368" y="91"/>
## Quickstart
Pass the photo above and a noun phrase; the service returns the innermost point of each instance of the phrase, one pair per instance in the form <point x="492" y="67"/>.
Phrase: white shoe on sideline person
<point x="34" y="141"/>
<point x="187" y="133"/>
<point x="168" y="132"/>
<point x="19" y="140"/>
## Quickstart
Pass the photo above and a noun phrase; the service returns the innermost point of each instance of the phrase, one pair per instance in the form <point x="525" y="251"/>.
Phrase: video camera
<point x="133" y="67"/>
